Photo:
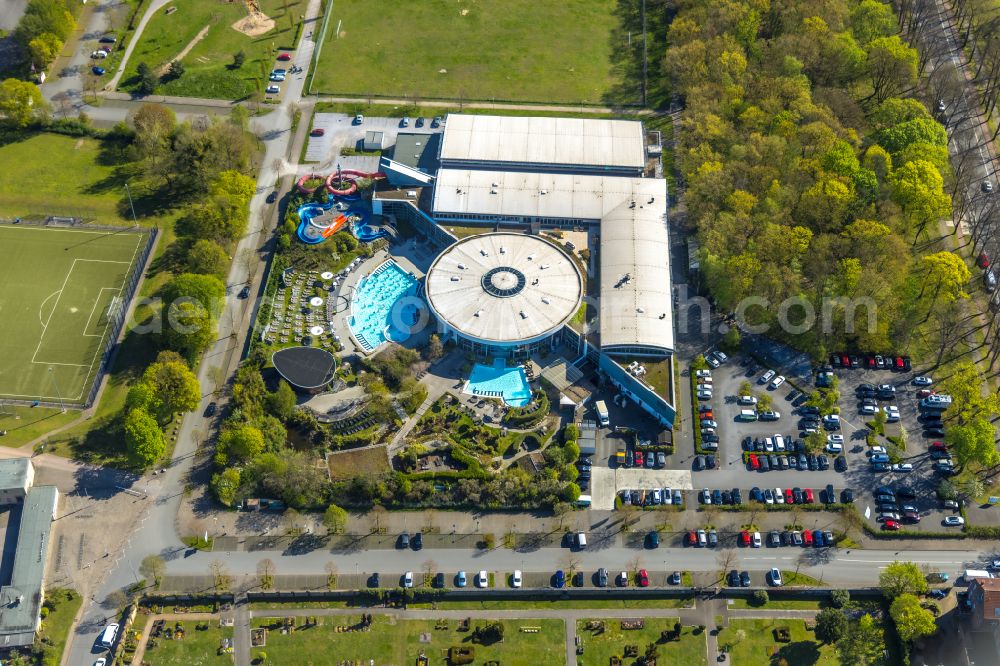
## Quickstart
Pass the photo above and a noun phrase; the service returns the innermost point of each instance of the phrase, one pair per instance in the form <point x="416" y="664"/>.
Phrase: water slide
<point x="350" y="176"/>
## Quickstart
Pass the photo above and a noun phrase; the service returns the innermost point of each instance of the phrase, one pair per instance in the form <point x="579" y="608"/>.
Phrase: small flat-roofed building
<point x="566" y="145"/>
<point x="308" y="369"/>
<point x="21" y="600"/>
<point x="374" y="140"/>
<point x="16" y="477"/>
<point x="413" y="160"/>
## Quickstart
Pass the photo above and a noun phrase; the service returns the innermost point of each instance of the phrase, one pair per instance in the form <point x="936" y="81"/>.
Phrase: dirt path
<point x="187" y="49"/>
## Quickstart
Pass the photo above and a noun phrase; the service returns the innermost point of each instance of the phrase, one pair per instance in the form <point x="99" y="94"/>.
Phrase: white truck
<point x="602" y="412"/>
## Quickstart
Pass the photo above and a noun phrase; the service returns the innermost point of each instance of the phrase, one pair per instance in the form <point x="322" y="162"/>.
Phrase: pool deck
<point x="411" y="256"/>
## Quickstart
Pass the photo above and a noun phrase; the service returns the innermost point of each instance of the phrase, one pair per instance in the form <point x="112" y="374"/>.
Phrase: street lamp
<point x="58" y="392"/>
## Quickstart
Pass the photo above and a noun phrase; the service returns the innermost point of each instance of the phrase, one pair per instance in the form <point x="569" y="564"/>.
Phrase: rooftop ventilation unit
<point x="545" y="300"/>
<point x="544" y="266"/>
<point x="544" y="192"/>
<point x="531" y="257"/>
<point x="455" y="278"/>
<point x="523" y="316"/>
<point x="462" y="266"/>
<point x="478" y="313"/>
<point x="484" y="253"/>
<point x="503" y="250"/>
<point x="640" y="310"/>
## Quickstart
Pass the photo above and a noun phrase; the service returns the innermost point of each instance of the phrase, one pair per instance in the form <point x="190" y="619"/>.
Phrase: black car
<point x="799" y="400"/>
<point x="808" y="410"/>
<point x="823" y="461"/>
<point x="602" y="577"/>
<point x="803" y="462"/>
<point x="108" y="39"/>
<point x="940" y="455"/>
<point x="905" y="492"/>
<point x="417" y="542"/>
<point x="698" y="463"/>
<point x="774" y="539"/>
<point x="374" y="580"/>
<point x="244" y="292"/>
<point x="439" y="580"/>
<point x="727" y="497"/>
<point x="709" y="462"/>
<point x="272" y="197"/>
<point x="737" y="496"/>
<point x="812" y="462"/>
<point x="577" y="577"/>
<point x="846" y="495"/>
<point x="797" y="496"/>
<point x="786" y="538"/>
<point x="403" y="541"/>
<point x="734" y="578"/>
<point x="765" y="465"/>
<point x="748" y="443"/>
<point x="840" y="464"/>
<point x="211" y="409"/>
<point x="907" y="364"/>
<point x="420" y="122"/>
<point x="745" y="578"/>
<point x="934" y="432"/>
<point x="653" y="539"/>
<point x="835" y="360"/>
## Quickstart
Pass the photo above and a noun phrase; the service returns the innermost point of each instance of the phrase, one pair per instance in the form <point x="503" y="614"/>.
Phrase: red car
<point x="807" y="538"/>
<point x="744" y="538"/>
<point x="789" y="496"/>
<point x="845" y="360"/>
<point x="809" y="495"/>
<point x="983" y="261"/>
<point x="284" y="57"/>
<point x="891" y="525"/>
<point x="707" y="415"/>
<point x="692" y="538"/>
<point x="638" y="458"/>
<point x="754" y="462"/>
<point x="923" y="393"/>
<point x="319" y="131"/>
<point x="939" y="446"/>
<point x="643" y="578"/>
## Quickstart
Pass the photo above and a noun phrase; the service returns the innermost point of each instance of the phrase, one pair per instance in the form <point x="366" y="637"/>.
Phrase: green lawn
<point x="445" y="604"/>
<point x="25" y="424"/>
<point x="55" y="287"/>
<point x="517" y="50"/>
<point x="752" y="642"/>
<point x="600" y="645"/>
<point x="208" y="65"/>
<point x="392" y="641"/>
<point x="780" y="604"/>
<point x="197" y="648"/>
<point x="63" y="605"/>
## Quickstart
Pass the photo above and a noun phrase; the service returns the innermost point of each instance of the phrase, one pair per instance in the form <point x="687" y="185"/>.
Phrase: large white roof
<point x="504" y="287"/>
<point x="525" y="194"/>
<point x="636" y="298"/>
<point x="549" y="141"/>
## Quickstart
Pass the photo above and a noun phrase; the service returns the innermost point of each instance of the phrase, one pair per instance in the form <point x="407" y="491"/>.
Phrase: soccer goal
<point x="113" y="310"/>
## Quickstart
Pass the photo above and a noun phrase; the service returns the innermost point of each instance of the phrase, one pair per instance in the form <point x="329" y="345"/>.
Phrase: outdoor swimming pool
<point x="493" y="381"/>
<point x="385" y="306"/>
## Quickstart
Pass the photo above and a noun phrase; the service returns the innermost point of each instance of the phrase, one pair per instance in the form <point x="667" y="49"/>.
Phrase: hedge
<point x="519" y="418"/>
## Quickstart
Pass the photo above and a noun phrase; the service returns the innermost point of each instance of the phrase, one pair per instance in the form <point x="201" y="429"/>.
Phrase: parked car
<point x="642" y="578"/>
<point x="953" y="521"/>
<point x="273" y="90"/>
<point x="922" y="380"/>
<point x="460" y="579"/>
<point x="775" y="576"/>
<point x="559" y="579"/>
<point x="777" y="381"/>
<point x="98" y="71"/>
<point x="319" y="131"/>
<point x="284" y="57"/>
<point x="766" y="377"/>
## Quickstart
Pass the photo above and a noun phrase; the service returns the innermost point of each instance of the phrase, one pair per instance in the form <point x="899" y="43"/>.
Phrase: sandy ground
<point x="255" y="25"/>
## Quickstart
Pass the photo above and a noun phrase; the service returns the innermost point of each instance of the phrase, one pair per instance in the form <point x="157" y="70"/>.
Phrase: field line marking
<point x="45" y="326"/>
<point x="72" y="365"/>
<point x="92" y="311"/>
<point x="64" y="229"/>
<point x="42" y="306"/>
<point x="121" y="288"/>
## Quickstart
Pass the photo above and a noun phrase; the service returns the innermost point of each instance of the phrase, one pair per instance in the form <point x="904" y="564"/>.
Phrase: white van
<point x="748" y="415"/>
<point x="581" y="540"/>
<point x="108" y="637"/>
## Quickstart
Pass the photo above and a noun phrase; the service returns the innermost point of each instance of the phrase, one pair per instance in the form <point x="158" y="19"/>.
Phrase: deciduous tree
<point x="902" y="578"/>
<point x="912" y="620"/>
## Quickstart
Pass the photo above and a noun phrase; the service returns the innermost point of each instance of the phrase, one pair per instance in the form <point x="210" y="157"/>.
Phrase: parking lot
<point x="340" y="131"/>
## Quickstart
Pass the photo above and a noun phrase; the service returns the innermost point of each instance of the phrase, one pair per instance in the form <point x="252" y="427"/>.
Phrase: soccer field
<point x="56" y="288"/>
<point x="503" y="50"/>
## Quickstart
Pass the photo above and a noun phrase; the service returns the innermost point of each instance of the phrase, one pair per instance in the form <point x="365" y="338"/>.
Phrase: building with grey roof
<point x="16" y="477"/>
<point x="21" y="599"/>
<point x="570" y="145"/>
<point x="413" y="160"/>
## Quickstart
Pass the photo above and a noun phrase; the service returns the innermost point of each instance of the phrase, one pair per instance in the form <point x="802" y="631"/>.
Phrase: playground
<point x="205" y="36"/>
<point x="502" y="50"/>
<point x="60" y="289"/>
<point x="343" y="208"/>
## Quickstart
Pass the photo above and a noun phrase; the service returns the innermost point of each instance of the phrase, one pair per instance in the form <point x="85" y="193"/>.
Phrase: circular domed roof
<point x="504" y="287"/>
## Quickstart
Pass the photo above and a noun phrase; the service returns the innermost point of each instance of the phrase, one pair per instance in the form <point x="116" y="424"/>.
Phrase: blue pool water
<point x="385" y="307"/>
<point x="353" y="206"/>
<point x="497" y="381"/>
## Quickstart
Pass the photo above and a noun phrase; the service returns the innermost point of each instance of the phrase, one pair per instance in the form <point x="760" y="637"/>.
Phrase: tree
<point x="42" y="16"/>
<point x="335" y="519"/>
<point x="153" y="567"/>
<point x="435" y="349"/>
<point x="863" y="643"/>
<point x="189" y="329"/>
<point x="206" y="290"/>
<point x="142" y="396"/>
<point x="240" y="444"/>
<point x="220" y="575"/>
<point x="175" y="386"/>
<point x="973" y="443"/>
<point x="238" y="59"/>
<point x="918" y="187"/>
<point x="281" y="403"/>
<point x="946" y="275"/>
<point x="839" y="598"/>
<point x="892" y="67"/>
<point x="207" y="258"/>
<point x="44" y="49"/>
<point x="760" y="597"/>
<point x="912" y="620"/>
<point x="331" y="574"/>
<point x="147" y="79"/>
<point x="225" y="484"/>
<point x="831" y="625"/>
<point x="20" y="102"/>
<point x="902" y="578"/>
<point x="872" y="19"/>
<point x="144" y="442"/>
<point x="265" y="573"/>
<point x="176" y="69"/>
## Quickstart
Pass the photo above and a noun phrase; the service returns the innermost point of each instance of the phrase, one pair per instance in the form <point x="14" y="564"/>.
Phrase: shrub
<point x="760" y="597"/>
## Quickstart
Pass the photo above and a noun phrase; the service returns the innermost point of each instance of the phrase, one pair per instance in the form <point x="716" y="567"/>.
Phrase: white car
<point x="891" y="413"/>
<point x="515" y="579"/>
<point x="777" y="381"/>
<point x="769" y="444"/>
<point x="766" y="377"/>
<point x="704" y="394"/>
<point x="953" y="521"/>
<point x="273" y="90"/>
<point x="902" y="467"/>
<point x="868" y="409"/>
<point x="702" y="374"/>
<point x="834" y="447"/>
<point x="922" y="380"/>
<point x="838" y="439"/>
<point x="872" y="450"/>
<point x="101" y="662"/>
<point x="482" y="579"/>
<point x="720" y="357"/>
<point x="776" y="578"/>
<point x="408" y="579"/>
<point x="98" y="55"/>
<point x="706" y="496"/>
<point x="747" y="400"/>
<point x="755" y="540"/>
<point x="779" y="496"/>
<point x="278" y="78"/>
<point x="668" y="497"/>
<point x="832" y="421"/>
